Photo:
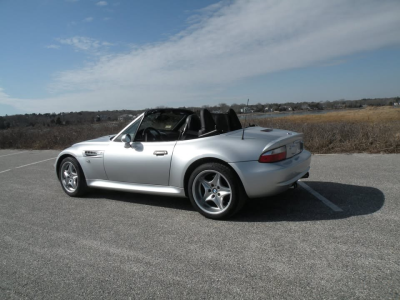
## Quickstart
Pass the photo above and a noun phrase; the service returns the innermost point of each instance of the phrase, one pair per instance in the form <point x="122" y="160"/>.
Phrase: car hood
<point x="104" y="139"/>
<point x="97" y="141"/>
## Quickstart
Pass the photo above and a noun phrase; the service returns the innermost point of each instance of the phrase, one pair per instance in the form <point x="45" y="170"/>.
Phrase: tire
<point x="215" y="191"/>
<point x="72" y="179"/>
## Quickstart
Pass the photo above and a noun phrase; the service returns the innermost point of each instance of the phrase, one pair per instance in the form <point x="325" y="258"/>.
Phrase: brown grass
<point x="57" y="137"/>
<point x="367" y="115"/>
<point x="371" y="130"/>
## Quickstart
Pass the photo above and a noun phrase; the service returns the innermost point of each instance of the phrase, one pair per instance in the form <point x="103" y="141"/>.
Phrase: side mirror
<point x="126" y="138"/>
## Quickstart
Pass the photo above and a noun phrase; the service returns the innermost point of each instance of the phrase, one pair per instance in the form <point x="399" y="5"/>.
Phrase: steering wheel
<point x="154" y="133"/>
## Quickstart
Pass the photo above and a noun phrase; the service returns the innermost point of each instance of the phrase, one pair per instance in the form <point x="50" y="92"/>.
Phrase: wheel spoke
<point x="206" y="185"/>
<point x="216" y="180"/>
<point x="224" y="193"/>
<point x="73" y="182"/>
<point x="65" y="174"/>
<point x="73" y="170"/>
<point x="207" y="197"/>
<point x="217" y="201"/>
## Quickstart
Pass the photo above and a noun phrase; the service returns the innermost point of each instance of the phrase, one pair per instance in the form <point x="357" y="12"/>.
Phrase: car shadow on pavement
<point x="294" y="205"/>
<point x="299" y="205"/>
<point x="143" y="199"/>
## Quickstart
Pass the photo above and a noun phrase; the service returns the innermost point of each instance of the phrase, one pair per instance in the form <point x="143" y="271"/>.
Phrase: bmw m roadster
<point x="206" y="157"/>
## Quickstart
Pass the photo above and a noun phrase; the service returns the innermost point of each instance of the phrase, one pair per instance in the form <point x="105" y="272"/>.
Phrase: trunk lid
<point x="270" y="138"/>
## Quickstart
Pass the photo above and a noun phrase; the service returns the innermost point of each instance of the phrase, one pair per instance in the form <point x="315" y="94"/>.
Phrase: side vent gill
<point x="92" y="153"/>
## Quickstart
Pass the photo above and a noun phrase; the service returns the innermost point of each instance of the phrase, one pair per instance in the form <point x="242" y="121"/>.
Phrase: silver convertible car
<point x="206" y="157"/>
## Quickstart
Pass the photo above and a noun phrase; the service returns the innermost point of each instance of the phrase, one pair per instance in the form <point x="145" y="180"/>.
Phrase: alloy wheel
<point x="212" y="192"/>
<point x="69" y="177"/>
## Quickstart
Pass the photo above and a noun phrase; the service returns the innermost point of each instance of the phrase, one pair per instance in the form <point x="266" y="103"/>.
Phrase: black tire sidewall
<point x="81" y="189"/>
<point x="238" y="196"/>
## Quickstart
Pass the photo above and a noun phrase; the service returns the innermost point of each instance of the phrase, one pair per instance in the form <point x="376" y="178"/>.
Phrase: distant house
<point x="396" y="104"/>
<point x="99" y="118"/>
<point x="246" y="110"/>
<point x="305" y="107"/>
<point x="125" y="117"/>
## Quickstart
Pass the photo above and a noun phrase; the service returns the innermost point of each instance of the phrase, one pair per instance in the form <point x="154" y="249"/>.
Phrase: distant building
<point x="99" y="118"/>
<point x="396" y="104"/>
<point x="246" y="110"/>
<point x="125" y="117"/>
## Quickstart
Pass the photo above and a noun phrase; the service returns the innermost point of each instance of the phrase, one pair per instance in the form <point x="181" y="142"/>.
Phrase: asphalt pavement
<point x="115" y="245"/>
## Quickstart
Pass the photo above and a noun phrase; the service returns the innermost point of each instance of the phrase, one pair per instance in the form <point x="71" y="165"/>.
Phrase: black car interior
<point x="209" y="124"/>
<point x="156" y="125"/>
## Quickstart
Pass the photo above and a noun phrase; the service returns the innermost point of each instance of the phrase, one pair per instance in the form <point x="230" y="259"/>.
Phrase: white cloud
<point x="52" y="46"/>
<point x="225" y="43"/>
<point x="88" y="19"/>
<point x="85" y="44"/>
<point x="102" y="3"/>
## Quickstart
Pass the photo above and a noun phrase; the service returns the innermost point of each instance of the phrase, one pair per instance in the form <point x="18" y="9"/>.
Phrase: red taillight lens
<point x="274" y="155"/>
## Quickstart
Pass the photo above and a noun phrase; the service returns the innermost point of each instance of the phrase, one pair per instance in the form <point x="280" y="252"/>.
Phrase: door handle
<point x="160" y="152"/>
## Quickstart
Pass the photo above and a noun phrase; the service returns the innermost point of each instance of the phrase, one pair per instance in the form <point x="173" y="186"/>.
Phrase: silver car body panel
<point x="110" y="164"/>
<point x="140" y="163"/>
<point x="138" y="188"/>
<point x="260" y="180"/>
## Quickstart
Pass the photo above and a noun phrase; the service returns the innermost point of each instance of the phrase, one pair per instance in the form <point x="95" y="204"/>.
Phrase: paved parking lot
<point x="116" y="245"/>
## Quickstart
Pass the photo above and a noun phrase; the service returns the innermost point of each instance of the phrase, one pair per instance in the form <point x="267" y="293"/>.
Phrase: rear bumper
<point x="266" y="179"/>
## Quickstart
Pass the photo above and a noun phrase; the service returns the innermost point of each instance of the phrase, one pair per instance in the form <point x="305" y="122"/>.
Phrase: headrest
<point x="193" y="123"/>
<point x="207" y="121"/>
<point x="222" y="122"/>
<point x="234" y="120"/>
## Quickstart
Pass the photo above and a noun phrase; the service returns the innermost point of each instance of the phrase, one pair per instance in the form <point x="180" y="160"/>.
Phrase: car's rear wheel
<point x="216" y="191"/>
<point x="72" y="178"/>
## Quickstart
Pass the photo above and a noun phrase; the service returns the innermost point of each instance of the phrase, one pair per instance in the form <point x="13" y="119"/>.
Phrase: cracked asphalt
<point x="115" y="245"/>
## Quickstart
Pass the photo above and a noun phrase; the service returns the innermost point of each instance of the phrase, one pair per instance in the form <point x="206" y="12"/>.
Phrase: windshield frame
<point x="129" y="125"/>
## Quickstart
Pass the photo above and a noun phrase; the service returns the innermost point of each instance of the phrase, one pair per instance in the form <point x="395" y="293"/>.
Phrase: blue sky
<point x="73" y="55"/>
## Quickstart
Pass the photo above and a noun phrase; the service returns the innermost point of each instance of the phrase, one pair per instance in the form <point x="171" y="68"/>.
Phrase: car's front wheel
<point x="216" y="191"/>
<point x="72" y="178"/>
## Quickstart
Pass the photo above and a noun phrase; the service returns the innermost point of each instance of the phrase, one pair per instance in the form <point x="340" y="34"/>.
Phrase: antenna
<point x="245" y="117"/>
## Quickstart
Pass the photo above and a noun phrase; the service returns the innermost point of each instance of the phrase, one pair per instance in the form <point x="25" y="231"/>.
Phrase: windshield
<point x="163" y="120"/>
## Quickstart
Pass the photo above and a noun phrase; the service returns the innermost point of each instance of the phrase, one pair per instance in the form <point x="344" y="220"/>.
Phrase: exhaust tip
<point x="306" y="175"/>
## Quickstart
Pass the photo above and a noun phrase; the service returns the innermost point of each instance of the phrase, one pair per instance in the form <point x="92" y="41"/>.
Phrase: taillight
<point x="274" y="155"/>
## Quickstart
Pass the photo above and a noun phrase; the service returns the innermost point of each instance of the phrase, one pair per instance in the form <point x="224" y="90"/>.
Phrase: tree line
<point x="91" y="117"/>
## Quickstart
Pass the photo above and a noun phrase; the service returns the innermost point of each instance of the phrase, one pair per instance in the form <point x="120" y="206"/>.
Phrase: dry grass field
<point x="366" y="115"/>
<point x="370" y="130"/>
<point x="57" y="137"/>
